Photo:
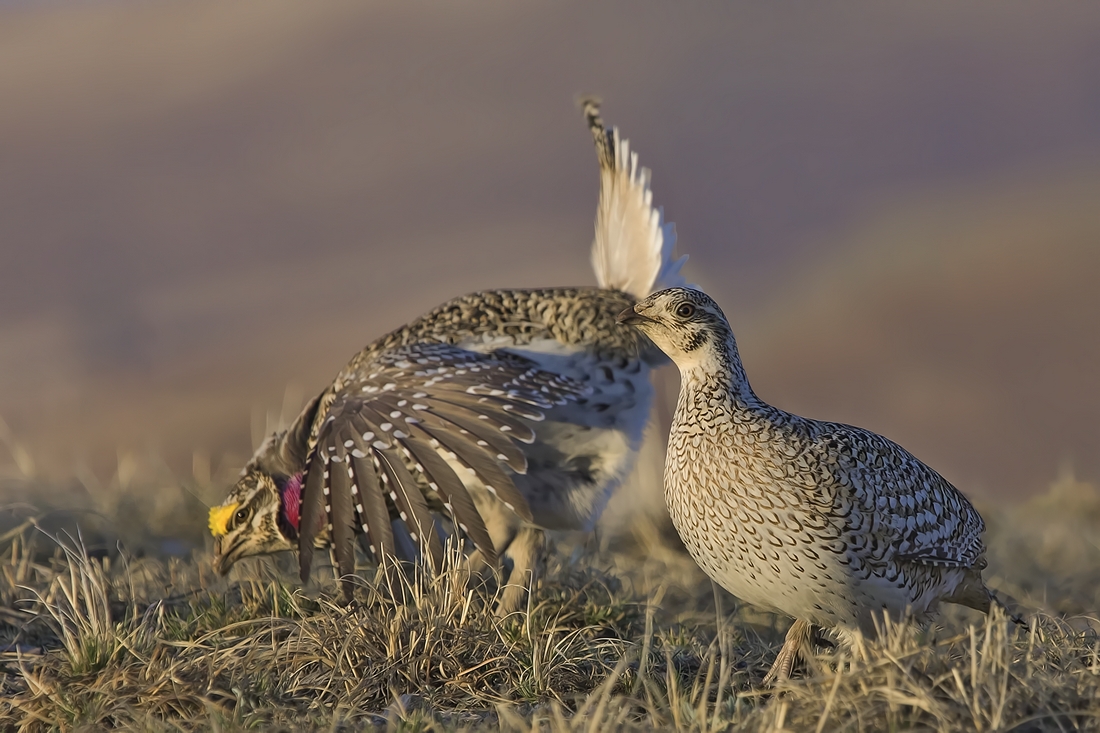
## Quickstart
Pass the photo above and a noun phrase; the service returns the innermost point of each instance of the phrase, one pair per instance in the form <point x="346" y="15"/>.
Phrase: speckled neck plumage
<point x="715" y="380"/>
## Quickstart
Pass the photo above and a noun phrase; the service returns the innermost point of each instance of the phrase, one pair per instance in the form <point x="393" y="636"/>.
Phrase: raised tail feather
<point x="633" y="249"/>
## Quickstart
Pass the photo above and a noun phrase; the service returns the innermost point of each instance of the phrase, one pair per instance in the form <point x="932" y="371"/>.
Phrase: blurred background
<point x="206" y="208"/>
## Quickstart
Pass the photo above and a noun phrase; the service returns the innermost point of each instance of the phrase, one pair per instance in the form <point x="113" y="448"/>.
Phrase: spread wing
<point x="404" y="425"/>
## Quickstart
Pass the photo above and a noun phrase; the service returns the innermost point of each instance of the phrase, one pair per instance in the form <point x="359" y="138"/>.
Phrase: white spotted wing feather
<point x="399" y="423"/>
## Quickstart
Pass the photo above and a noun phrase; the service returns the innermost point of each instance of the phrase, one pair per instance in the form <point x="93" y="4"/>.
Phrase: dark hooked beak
<point x="224" y="557"/>
<point x="219" y="566"/>
<point x="219" y="558"/>
<point x="632" y="317"/>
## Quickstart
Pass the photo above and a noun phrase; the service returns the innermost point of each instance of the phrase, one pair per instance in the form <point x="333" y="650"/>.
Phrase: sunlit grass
<point x="624" y="638"/>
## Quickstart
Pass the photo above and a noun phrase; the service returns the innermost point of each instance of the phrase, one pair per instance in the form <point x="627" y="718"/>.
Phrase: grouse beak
<point x="226" y="555"/>
<point x="631" y="317"/>
<point x="220" y="566"/>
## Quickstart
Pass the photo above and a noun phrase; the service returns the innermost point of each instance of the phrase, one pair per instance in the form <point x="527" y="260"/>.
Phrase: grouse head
<point x="683" y="322"/>
<point x="261" y="514"/>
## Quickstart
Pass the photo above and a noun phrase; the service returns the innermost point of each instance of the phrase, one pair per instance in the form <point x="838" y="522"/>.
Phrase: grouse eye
<point x="241" y="516"/>
<point x="685" y="310"/>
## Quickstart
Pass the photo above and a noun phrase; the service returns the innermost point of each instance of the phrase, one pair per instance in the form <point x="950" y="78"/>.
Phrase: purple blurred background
<point x="207" y="207"/>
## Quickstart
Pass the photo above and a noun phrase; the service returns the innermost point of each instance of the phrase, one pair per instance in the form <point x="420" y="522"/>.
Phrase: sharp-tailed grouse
<point x="509" y="411"/>
<point x="828" y="523"/>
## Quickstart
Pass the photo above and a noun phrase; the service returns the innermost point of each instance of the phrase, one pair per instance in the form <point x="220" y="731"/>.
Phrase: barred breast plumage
<point x="821" y="521"/>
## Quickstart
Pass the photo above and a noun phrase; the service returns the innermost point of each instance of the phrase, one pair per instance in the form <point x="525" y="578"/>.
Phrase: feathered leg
<point x="797" y="638"/>
<point x="524" y="556"/>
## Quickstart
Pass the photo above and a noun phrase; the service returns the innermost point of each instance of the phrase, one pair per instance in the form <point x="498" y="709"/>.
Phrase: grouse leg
<point x="797" y="638"/>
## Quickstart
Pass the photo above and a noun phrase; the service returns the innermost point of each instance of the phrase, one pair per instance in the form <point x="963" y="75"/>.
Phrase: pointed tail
<point x="1012" y="609"/>
<point x="633" y="249"/>
<point x="972" y="592"/>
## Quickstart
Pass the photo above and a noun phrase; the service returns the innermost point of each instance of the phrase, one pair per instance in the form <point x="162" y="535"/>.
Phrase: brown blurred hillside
<point x="967" y="323"/>
<point x="203" y="203"/>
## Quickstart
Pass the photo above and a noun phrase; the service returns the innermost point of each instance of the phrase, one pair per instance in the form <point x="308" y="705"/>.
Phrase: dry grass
<point x="623" y="638"/>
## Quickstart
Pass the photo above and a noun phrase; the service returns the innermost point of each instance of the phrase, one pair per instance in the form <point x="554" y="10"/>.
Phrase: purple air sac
<point x="292" y="500"/>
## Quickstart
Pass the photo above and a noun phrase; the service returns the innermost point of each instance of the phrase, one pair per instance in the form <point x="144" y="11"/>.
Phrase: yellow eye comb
<point x="219" y="519"/>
